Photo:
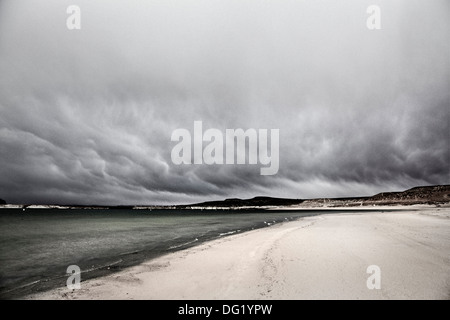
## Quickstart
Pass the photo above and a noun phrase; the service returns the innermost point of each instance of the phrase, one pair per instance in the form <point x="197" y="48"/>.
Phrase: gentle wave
<point x="102" y="266"/>
<point x="22" y="286"/>
<point x="183" y="244"/>
<point x="226" y="233"/>
<point x="130" y="252"/>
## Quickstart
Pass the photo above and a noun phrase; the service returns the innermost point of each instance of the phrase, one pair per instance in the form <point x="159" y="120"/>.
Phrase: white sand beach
<point x="321" y="257"/>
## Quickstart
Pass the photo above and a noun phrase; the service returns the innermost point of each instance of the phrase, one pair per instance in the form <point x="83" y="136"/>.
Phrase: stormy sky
<point x="86" y="116"/>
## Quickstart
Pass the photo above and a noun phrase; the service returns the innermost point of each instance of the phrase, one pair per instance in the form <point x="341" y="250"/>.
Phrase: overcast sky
<point x="86" y="116"/>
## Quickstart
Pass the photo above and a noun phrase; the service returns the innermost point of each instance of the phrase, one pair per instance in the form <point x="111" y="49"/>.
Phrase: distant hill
<point x="257" y="201"/>
<point x="429" y="194"/>
<point x="2" y="201"/>
<point x="417" y="195"/>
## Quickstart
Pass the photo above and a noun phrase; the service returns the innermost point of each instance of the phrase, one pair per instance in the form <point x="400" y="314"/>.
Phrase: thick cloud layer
<point x="86" y="116"/>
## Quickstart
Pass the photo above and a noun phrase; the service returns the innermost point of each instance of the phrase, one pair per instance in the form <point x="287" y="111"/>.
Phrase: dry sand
<point x="321" y="257"/>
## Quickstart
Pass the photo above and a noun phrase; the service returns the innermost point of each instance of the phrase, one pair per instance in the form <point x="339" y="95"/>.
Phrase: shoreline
<point x="318" y="257"/>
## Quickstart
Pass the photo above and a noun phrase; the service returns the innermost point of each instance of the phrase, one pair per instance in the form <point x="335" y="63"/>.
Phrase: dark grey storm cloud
<point x="86" y="116"/>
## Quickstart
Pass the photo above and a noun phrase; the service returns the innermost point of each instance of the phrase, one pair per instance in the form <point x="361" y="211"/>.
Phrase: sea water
<point x="37" y="245"/>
